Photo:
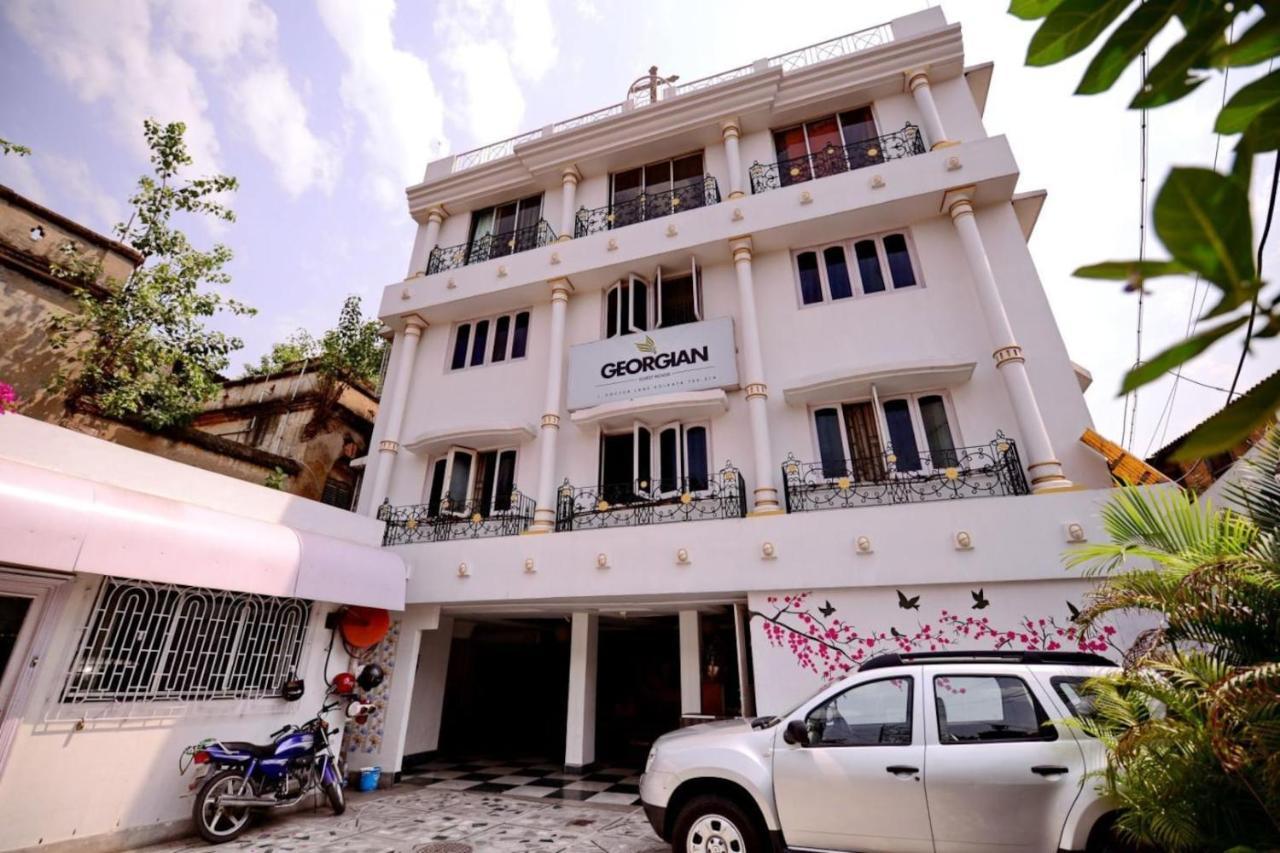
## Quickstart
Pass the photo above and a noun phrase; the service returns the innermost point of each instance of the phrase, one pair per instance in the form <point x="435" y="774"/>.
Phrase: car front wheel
<point x="713" y="824"/>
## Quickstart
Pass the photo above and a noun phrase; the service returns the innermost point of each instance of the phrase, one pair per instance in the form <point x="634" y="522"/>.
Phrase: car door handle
<point x="1049" y="770"/>
<point x="902" y="770"/>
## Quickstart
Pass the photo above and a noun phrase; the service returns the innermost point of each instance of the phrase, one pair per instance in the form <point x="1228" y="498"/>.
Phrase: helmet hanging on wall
<point x="343" y="683"/>
<point x="370" y="676"/>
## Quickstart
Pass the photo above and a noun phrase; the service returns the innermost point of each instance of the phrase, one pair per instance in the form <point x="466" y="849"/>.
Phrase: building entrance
<point x="637" y="686"/>
<point x="506" y="692"/>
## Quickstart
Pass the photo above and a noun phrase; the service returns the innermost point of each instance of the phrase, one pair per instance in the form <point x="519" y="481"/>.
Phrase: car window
<point x="876" y="713"/>
<point x="988" y="708"/>
<point x="1069" y="687"/>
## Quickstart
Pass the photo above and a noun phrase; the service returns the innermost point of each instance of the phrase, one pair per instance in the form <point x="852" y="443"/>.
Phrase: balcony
<point x="834" y="160"/>
<point x="700" y="193"/>
<point x="406" y="525"/>
<point x="721" y="495"/>
<point x="989" y="470"/>
<point x="490" y="246"/>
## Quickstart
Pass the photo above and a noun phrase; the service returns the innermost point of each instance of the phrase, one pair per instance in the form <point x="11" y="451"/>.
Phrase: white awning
<point x="490" y="436"/>
<point x="903" y="378"/>
<point x="57" y="522"/>
<point x="656" y="410"/>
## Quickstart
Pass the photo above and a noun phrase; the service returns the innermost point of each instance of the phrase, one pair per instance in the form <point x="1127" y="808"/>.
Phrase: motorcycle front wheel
<point x="337" y="800"/>
<point x="215" y="823"/>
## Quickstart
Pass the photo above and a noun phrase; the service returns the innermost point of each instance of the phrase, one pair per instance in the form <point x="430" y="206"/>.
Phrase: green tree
<point x="351" y="351"/>
<point x="1201" y="216"/>
<point x="141" y="352"/>
<point x="1192" y="723"/>
<point x="7" y="147"/>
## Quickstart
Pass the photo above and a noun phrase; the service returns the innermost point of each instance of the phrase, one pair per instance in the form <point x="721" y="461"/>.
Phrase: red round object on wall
<point x="344" y="683"/>
<point x="365" y="626"/>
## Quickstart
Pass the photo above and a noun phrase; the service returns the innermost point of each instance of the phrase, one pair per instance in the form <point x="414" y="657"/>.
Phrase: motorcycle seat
<point x="265" y="750"/>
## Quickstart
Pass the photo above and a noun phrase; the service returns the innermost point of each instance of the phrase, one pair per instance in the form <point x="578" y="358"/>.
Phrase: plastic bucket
<point x="368" y="780"/>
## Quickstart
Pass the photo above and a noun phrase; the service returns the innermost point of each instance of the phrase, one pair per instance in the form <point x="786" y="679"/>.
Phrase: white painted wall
<point x="427" y="705"/>
<point x="62" y="782"/>
<point x="789" y="665"/>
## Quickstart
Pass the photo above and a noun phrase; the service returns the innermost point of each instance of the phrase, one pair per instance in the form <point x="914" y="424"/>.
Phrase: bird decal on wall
<point x="980" y="601"/>
<point x="827" y="609"/>
<point x="912" y="603"/>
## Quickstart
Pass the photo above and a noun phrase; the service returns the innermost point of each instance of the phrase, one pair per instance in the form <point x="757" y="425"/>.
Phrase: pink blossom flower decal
<point x="8" y="398"/>
<point x="826" y="645"/>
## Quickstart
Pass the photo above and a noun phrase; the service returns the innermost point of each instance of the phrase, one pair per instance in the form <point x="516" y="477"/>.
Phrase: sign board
<point x="690" y="357"/>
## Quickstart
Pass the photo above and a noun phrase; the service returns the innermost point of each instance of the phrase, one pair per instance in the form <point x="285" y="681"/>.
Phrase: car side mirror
<point x="796" y="733"/>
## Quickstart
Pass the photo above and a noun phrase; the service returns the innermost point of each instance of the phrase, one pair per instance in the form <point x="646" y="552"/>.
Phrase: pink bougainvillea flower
<point x="8" y="398"/>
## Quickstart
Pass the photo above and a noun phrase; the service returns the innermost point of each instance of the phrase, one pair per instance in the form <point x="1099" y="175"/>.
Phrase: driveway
<point x="410" y="819"/>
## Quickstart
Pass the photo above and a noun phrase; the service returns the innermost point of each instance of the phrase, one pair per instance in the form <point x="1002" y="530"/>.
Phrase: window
<point x="855" y="439"/>
<point x="657" y="189"/>
<point x="987" y="708"/>
<point x="874" y="714"/>
<point x="827" y="146"/>
<point x="1070" y="688"/>
<point x="148" y="642"/>
<point x="338" y="493"/>
<point x="666" y="461"/>
<point x="673" y="298"/>
<point x="471" y="340"/>
<point x="825" y="275"/>
<point x="467" y="482"/>
<point x="504" y="229"/>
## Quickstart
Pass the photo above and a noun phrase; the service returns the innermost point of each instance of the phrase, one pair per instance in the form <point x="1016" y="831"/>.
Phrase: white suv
<point x="938" y="752"/>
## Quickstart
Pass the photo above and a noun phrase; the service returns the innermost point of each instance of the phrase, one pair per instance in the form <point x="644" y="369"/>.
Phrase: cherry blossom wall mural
<point x="823" y="641"/>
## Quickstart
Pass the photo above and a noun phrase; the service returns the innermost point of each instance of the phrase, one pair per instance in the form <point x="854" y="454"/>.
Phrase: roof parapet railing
<point x="790" y="61"/>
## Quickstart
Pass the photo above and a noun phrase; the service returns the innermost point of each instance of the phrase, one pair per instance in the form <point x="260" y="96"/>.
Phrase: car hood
<point x="707" y="733"/>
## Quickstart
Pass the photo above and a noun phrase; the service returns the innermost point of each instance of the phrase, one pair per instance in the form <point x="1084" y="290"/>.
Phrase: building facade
<point x="700" y="399"/>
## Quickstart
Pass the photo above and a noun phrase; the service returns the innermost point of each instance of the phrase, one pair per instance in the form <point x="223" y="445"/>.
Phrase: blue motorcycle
<point x="242" y="778"/>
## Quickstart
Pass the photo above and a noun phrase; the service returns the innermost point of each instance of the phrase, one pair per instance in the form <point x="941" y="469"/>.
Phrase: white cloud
<point x="492" y="46"/>
<point x="104" y="52"/>
<point x="273" y="112"/>
<point x="18" y="174"/>
<point x="393" y="92"/>
<point x="263" y="98"/>
<point x="217" y="30"/>
<point x="83" y="197"/>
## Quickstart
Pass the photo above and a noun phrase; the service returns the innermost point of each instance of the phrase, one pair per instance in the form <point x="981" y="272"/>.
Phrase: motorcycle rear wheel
<point x="215" y="824"/>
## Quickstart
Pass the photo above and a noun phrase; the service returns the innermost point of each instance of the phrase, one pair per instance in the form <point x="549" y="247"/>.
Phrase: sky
<point x="325" y="111"/>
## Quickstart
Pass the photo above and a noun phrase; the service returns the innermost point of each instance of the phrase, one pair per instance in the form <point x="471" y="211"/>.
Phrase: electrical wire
<point x="1253" y="309"/>
<point x="1193" y="312"/>
<point x="1131" y="415"/>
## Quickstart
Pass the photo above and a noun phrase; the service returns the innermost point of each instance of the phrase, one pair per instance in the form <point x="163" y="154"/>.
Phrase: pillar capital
<point x="915" y="78"/>
<point x="741" y="248"/>
<point x="560" y="289"/>
<point x="958" y="201"/>
<point x="730" y="127"/>
<point x="570" y="174"/>
<point x="436" y="213"/>
<point x="414" y="325"/>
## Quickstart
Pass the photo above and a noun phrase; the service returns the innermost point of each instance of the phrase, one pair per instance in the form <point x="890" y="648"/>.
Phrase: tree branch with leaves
<point x="141" y="352"/>
<point x="1201" y="216"/>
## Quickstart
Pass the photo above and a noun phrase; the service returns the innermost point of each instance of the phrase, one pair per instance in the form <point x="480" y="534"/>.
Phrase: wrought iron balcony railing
<point x="700" y="193"/>
<point x="490" y="246"/>
<point x="719" y="495"/>
<point x="835" y="159"/>
<point x="988" y="470"/>
<point x="509" y="516"/>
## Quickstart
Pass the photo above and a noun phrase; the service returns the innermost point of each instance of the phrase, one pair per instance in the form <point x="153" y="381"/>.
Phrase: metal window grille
<point x="153" y="642"/>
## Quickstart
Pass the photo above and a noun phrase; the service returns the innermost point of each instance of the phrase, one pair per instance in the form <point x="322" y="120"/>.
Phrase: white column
<point x="427" y="238"/>
<point x="544" y="513"/>
<point x="690" y="663"/>
<point x="426" y="708"/>
<point x="765" y="493"/>
<point x="569" y="179"/>
<point x="918" y="83"/>
<point x="730" y="131"/>
<point x="580" y="726"/>
<point x="406" y="348"/>
<point x="1042" y="465"/>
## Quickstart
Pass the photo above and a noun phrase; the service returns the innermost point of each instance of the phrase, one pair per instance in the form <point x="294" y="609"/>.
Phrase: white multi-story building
<point x="705" y="396"/>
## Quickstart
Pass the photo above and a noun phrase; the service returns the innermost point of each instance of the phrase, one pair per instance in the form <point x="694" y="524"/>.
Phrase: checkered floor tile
<point x="610" y="785"/>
